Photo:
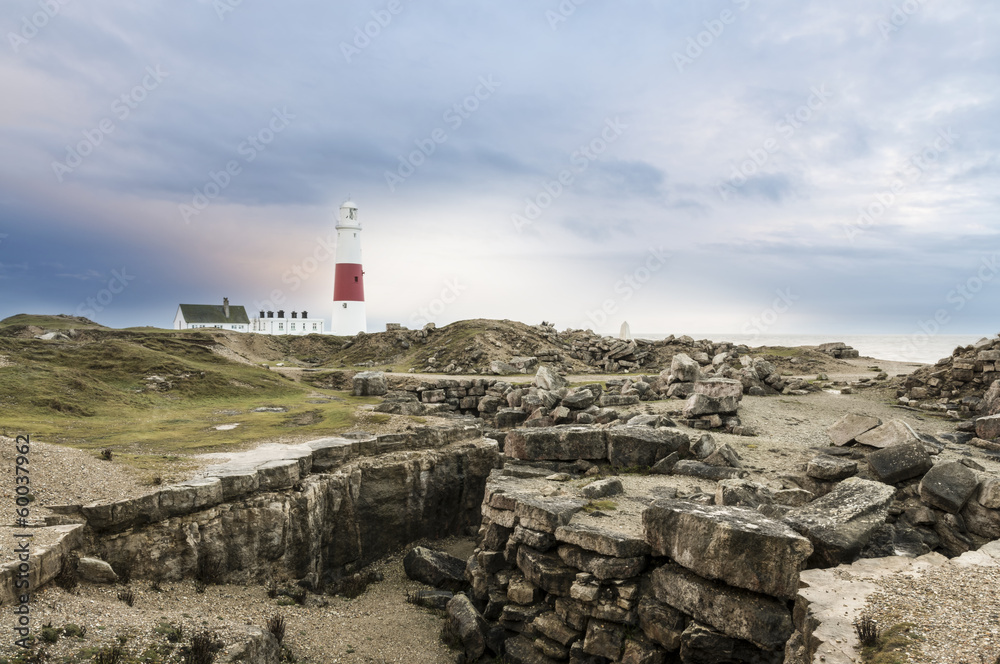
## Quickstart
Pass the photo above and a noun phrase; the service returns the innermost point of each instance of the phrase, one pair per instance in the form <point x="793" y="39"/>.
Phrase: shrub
<point x="276" y="626"/>
<point x="867" y="630"/>
<point x="127" y="596"/>
<point x="67" y="578"/>
<point x="74" y="630"/>
<point x="173" y="633"/>
<point x="107" y="454"/>
<point x="49" y="633"/>
<point x="110" y="655"/>
<point x="202" y="648"/>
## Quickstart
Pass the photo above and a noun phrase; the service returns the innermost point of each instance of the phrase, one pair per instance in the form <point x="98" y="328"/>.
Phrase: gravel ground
<point x="956" y="611"/>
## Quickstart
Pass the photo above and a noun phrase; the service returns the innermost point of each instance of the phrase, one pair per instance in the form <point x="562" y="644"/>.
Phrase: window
<point x="355" y="280"/>
<point x="314" y="326"/>
<point x="292" y="327"/>
<point x="281" y="326"/>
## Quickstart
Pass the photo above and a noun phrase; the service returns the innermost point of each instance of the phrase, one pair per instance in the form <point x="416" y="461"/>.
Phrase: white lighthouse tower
<point x="349" y="281"/>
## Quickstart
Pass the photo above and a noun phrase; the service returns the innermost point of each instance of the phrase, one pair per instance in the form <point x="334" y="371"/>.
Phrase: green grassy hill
<point x="150" y="395"/>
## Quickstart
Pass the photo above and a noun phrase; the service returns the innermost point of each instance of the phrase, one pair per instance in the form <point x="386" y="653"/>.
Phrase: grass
<point x="95" y="395"/>
<point x="595" y="505"/>
<point x="892" y="645"/>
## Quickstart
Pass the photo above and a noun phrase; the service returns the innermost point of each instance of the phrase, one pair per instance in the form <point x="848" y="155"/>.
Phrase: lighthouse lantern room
<point x="349" y="283"/>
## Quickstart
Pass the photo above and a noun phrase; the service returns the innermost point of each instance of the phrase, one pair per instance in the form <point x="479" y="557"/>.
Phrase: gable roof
<point x="213" y="314"/>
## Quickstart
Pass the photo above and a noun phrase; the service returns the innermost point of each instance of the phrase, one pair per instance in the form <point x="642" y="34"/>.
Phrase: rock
<point x="720" y="388"/>
<point x="533" y="538"/>
<point x="556" y="443"/>
<point x="989" y="493"/>
<point x="548" y="379"/>
<point x="607" y="400"/>
<point x="947" y="486"/>
<point x="634" y="446"/>
<point x="552" y="626"/>
<point x="850" y="426"/>
<point x="988" y="428"/>
<point x="611" y="486"/>
<point x="604" y="639"/>
<point x="735" y="545"/>
<point x="831" y="469"/>
<point x="700" y="404"/>
<point x="435" y="568"/>
<point x="369" y="384"/>
<point x="599" y="540"/>
<point x="602" y="567"/>
<point x="522" y="591"/>
<point x="519" y="650"/>
<point x="500" y="368"/>
<point x="684" y="369"/>
<point x="661" y="622"/>
<point x="793" y="497"/>
<point x="510" y="417"/>
<point x="703" y="447"/>
<point x="725" y="457"/>
<point x="545" y="571"/>
<point x="469" y="625"/>
<point x="430" y="599"/>
<point x="95" y="570"/>
<point x="840" y="523"/>
<point x="640" y="651"/>
<point x="899" y="462"/>
<point x="680" y="390"/>
<point x="741" y="614"/>
<point x="742" y="493"/>
<point x="891" y="433"/>
<point x="703" y="645"/>
<point x="707" y="472"/>
<point x="546" y="513"/>
<point x="951" y="530"/>
<point x="579" y="399"/>
<point x="981" y="521"/>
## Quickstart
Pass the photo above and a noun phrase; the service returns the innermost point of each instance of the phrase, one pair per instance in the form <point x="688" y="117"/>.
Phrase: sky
<point x="742" y="166"/>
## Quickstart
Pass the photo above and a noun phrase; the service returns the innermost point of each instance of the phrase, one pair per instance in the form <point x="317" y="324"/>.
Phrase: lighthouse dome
<point x="349" y="204"/>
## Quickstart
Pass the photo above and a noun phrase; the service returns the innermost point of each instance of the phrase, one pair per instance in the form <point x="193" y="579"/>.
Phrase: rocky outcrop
<point x="322" y="526"/>
<point x="965" y="384"/>
<point x="838" y="349"/>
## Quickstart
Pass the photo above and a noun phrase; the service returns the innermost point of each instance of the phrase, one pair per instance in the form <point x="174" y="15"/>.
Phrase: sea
<point x="922" y="348"/>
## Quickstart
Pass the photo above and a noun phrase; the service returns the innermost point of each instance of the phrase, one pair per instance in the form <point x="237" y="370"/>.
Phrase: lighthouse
<point x="349" y="280"/>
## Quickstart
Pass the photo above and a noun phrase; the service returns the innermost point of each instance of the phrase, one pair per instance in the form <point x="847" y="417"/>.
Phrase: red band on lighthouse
<point x="349" y="283"/>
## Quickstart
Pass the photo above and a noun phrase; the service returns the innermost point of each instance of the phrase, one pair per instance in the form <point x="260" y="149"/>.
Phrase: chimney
<point x="225" y="306"/>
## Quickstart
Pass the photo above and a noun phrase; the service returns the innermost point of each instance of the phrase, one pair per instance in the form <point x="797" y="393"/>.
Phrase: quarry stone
<point x="891" y="433"/>
<point x="735" y="545"/>
<point x="947" y="486"/>
<point x="850" y="426"/>
<point x="899" y="462"/>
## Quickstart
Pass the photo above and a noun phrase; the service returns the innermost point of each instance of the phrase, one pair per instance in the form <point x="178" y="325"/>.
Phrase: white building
<point x="269" y="323"/>
<point x="223" y="317"/>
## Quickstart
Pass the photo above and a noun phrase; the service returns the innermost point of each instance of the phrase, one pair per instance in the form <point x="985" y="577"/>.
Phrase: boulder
<point x="637" y="446"/>
<point x="899" y="462"/>
<point x="579" y="399"/>
<point x="891" y="433"/>
<point x="947" y="486"/>
<point x="556" y="443"/>
<point x="604" y="639"/>
<point x="735" y="545"/>
<point x="742" y="493"/>
<point x="546" y="571"/>
<point x="510" y="417"/>
<point x="831" y="469"/>
<point x="611" y="486"/>
<point x="435" y="568"/>
<point x="705" y="471"/>
<point x="724" y="456"/>
<point x="602" y="567"/>
<point x="989" y="493"/>
<point x="95" y="570"/>
<point x="684" y="369"/>
<point x="430" y="599"/>
<point x="369" y="384"/>
<point x="548" y="379"/>
<point x="740" y="614"/>
<point x="981" y="521"/>
<point x="720" y="388"/>
<point x="704" y="446"/>
<point x="840" y="523"/>
<point x="988" y="428"/>
<point x="701" y="404"/>
<point x="470" y="626"/>
<point x="850" y="426"/>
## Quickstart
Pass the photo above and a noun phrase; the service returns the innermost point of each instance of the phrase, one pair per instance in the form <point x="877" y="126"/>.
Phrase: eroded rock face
<point x="840" y="523"/>
<point x="351" y="517"/>
<point x="738" y="546"/>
